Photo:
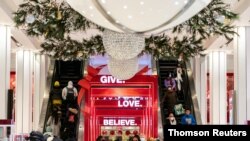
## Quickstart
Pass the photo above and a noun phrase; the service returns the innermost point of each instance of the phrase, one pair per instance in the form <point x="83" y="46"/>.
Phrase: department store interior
<point x="116" y="70"/>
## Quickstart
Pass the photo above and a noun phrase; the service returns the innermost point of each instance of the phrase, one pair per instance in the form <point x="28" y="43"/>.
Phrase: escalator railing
<point x="192" y="94"/>
<point x="80" y="131"/>
<point x="53" y="79"/>
<point x="62" y="71"/>
<point x="166" y="67"/>
<point x="70" y="71"/>
<point x="44" y="109"/>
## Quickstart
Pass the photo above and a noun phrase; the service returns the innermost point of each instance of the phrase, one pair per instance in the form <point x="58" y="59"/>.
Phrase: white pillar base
<point x="242" y="75"/>
<point x="4" y="69"/>
<point x="200" y="72"/>
<point x="24" y="73"/>
<point x="40" y="71"/>
<point x="218" y="97"/>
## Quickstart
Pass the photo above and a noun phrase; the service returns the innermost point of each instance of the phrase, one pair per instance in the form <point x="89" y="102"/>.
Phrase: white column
<point x="43" y="76"/>
<point x="39" y="86"/>
<point x="218" y="97"/>
<point x="4" y="69"/>
<point x="37" y="103"/>
<point x="24" y="74"/>
<point x="200" y="74"/>
<point x="242" y="74"/>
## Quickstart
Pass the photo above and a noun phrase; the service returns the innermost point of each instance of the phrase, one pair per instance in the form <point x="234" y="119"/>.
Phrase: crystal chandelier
<point x="123" y="69"/>
<point x="138" y="16"/>
<point x="123" y="46"/>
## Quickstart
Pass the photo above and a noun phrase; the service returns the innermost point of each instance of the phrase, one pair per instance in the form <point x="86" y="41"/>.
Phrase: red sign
<point x="111" y="102"/>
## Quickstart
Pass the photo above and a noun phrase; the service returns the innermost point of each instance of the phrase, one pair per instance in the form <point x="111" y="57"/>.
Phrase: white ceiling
<point x="7" y="7"/>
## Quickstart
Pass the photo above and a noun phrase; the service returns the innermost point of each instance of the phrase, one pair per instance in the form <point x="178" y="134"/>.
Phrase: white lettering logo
<point x="119" y="122"/>
<point x="129" y="103"/>
<point x="110" y="79"/>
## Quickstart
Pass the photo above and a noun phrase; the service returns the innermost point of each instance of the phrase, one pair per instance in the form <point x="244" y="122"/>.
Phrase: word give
<point x="110" y="79"/>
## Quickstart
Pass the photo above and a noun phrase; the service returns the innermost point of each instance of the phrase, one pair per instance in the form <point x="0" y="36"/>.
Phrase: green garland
<point x="55" y="21"/>
<point x="206" y="23"/>
<point x="51" y="19"/>
<point x="71" y="49"/>
<point x="165" y="47"/>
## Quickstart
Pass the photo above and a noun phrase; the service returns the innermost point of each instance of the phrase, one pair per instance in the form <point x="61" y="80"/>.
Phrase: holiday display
<point x="55" y="20"/>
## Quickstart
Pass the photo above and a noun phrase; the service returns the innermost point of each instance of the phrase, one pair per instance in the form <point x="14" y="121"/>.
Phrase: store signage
<point x="121" y="102"/>
<point x="110" y="79"/>
<point x="122" y="122"/>
<point x="129" y="103"/>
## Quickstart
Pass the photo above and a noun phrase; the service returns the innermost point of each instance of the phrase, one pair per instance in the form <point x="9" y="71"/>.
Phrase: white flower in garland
<point x="30" y="18"/>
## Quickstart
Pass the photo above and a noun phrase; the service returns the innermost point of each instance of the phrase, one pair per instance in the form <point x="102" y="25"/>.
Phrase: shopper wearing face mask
<point x="171" y="120"/>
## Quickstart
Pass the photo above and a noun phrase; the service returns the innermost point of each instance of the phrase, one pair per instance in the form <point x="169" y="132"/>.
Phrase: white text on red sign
<point x="124" y="122"/>
<point x="129" y="103"/>
<point x="110" y="79"/>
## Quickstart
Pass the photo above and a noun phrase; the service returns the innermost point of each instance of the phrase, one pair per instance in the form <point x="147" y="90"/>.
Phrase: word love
<point x="110" y="79"/>
<point x="129" y="103"/>
<point x="123" y="122"/>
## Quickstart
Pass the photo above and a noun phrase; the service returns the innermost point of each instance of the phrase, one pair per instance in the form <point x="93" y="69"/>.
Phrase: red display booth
<point x="120" y="109"/>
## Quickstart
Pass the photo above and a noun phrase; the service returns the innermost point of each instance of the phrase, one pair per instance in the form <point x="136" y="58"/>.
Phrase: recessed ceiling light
<point x="125" y="6"/>
<point x="142" y="2"/>
<point x="83" y="12"/>
<point x="176" y="3"/>
<point x="117" y="21"/>
<point x="129" y="16"/>
<point x="186" y="1"/>
<point x="103" y="1"/>
<point x="91" y="7"/>
<point x="109" y="12"/>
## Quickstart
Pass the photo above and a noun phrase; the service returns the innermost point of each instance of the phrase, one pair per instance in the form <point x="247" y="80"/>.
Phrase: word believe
<point x="123" y="122"/>
<point x="129" y="103"/>
<point x="110" y="79"/>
